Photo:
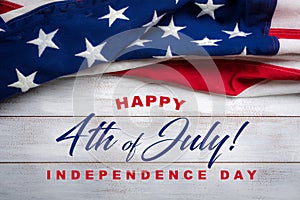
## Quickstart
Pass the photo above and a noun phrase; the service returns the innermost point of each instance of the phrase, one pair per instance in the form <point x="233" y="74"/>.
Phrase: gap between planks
<point x="136" y="116"/>
<point x="147" y="163"/>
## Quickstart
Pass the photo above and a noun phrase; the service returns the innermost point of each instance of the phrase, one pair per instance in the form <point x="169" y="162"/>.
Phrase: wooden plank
<point x="28" y="181"/>
<point x="81" y="96"/>
<point x="33" y="139"/>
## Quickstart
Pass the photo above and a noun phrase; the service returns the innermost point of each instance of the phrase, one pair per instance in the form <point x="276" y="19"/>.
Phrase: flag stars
<point x="113" y="15"/>
<point x="43" y="41"/>
<point x="2" y="30"/>
<point x="171" y="29"/>
<point x="139" y="42"/>
<point x="207" y="42"/>
<point x="167" y="55"/>
<point x="236" y="32"/>
<point x="208" y="8"/>
<point x="154" y="21"/>
<point x="24" y="82"/>
<point x="244" y="52"/>
<point x="92" y="53"/>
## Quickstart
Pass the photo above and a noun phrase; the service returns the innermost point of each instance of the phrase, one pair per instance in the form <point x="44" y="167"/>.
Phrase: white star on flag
<point x="154" y="21"/>
<point x="207" y="42"/>
<point x="44" y="40"/>
<point x="92" y="53"/>
<point x="244" y="52"/>
<point x="113" y="15"/>
<point x="1" y="30"/>
<point x="208" y="8"/>
<point x="236" y="32"/>
<point x="176" y="1"/>
<point x="168" y="54"/>
<point x="171" y="29"/>
<point x="139" y="42"/>
<point x="24" y="82"/>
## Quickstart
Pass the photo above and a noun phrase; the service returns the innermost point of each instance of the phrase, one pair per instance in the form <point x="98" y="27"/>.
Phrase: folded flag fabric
<point x="6" y="6"/>
<point x="43" y="41"/>
<point x="238" y="77"/>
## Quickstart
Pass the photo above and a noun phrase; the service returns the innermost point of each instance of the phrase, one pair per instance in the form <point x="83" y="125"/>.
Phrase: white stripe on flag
<point x="268" y="88"/>
<point x="286" y="61"/>
<point x="287" y="14"/>
<point x="114" y="67"/>
<point x="28" y="6"/>
<point x="289" y="46"/>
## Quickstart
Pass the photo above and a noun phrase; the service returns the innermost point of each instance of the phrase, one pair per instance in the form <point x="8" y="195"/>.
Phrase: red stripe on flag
<point x="283" y="33"/>
<point x="236" y="75"/>
<point x="6" y="6"/>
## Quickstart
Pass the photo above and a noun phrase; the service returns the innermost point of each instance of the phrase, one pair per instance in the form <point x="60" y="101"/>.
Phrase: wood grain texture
<point x="31" y="122"/>
<point x="33" y="139"/>
<point x="270" y="182"/>
<point x="81" y="96"/>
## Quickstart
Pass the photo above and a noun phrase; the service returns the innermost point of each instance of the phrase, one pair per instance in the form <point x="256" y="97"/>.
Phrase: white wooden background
<point x="30" y="123"/>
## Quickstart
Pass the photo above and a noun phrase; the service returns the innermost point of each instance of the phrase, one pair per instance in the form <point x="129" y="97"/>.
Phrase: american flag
<point x="253" y="45"/>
